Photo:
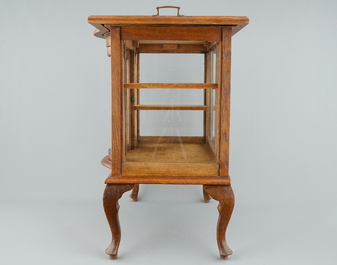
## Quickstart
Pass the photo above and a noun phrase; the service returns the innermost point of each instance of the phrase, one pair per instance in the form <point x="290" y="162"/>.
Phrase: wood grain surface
<point x="171" y="85"/>
<point x="135" y="159"/>
<point x="172" y="33"/>
<point x="224" y="100"/>
<point x="134" y="193"/>
<point x="179" y="48"/>
<point x="207" y="198"/>
<point x="169" y="169"/>
<point x="116" y="101"/>
<point x="225" y="196"/>
<point x="182" y="180"/>
<point x="169" y="20"/>
<point x="111" y="196"/>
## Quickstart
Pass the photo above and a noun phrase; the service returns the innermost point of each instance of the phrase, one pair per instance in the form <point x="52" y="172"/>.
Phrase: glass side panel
<point x="214" y="53"/>
<point x="172" y="96"/>
<point x="213" y="116"/>
<point x="171" y="68"/>
<point x="169" y="125"/>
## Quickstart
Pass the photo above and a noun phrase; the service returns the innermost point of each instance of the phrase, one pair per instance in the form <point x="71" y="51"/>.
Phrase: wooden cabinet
<point x="167" y="149"/>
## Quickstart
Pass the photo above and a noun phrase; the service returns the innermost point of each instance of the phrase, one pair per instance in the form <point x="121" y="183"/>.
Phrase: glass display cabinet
<point x="170" y="108"/>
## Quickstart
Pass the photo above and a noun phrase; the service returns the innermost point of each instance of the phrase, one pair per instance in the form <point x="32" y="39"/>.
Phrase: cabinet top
<point x="103" y="23"/>
<point x="169" y="20"/>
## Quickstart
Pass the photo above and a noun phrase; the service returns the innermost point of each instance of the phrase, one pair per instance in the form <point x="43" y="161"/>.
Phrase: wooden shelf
<point x="171" y="85"/>
<point x="171" y="150"/>
<point x="170" y="107"/>
<point x="169" y="157"/>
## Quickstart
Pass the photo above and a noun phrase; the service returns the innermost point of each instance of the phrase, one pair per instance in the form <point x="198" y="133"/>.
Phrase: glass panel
<point x="213" y="101"/>
<point x="213" y="116"/>
<point x="214" y="65"/>
<point x="171" y="123"/>
<point x="172" y="96"/>
<point x="168" y="125"/>
<point x="171" y="68"/>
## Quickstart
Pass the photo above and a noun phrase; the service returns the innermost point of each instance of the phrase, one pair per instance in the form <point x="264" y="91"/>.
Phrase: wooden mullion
<point x="209" y="73"/>
<point x="133" y="112"/>
<point x="224" y="100"/>
<point x="129" y="107"/>
<point x="125" y="103"/>
<point x="208" y="67"/>
<point x="210" y="101"/>
<point x="137" y="94"/>
<point x="116" y="102"/>
<point x="217" y="119"/>
<point x="205" y="102"/>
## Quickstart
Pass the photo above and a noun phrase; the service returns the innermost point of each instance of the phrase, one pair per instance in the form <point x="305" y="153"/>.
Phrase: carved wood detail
<point x="111" y="196"/>
<point x="225" y="196"/>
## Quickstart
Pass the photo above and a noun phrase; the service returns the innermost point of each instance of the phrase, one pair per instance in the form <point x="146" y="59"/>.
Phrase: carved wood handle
<point x="177" y="7"/>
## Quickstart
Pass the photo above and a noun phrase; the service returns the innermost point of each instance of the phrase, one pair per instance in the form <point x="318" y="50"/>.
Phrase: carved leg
<point x="134" y="193"/>
<point x="207" y="198"/>
<point x="111" y="196"/>
<point x="225" y="196"/>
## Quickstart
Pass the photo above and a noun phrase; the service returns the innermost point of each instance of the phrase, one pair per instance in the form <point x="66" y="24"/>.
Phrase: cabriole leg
<point x="225" y="196"/>
<point x="207" y="198"/>
<point x="134" y="193"/>
<point x="111" y="196"/>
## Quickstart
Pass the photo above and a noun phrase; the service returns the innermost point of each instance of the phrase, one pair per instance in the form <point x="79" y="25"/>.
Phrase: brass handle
<point x="177" y="7"/>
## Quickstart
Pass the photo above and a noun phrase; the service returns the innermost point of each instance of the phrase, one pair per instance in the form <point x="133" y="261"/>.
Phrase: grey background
<point x="55" y="128"/>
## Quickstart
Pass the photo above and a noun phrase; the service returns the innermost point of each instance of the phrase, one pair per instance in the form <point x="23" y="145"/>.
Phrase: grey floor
<point x="168" y="225"/>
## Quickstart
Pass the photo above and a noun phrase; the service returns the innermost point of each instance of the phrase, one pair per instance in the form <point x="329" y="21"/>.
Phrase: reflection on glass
<point x="170" y="125"/>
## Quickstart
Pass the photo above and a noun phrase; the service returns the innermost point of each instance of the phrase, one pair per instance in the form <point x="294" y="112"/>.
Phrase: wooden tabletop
<point x="103" y="23"/>
<point x="169" y="20"/>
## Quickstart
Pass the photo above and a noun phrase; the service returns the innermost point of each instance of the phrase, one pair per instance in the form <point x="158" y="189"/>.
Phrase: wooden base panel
<point x="170" y="169"/>
<point x="225" y="181"/>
